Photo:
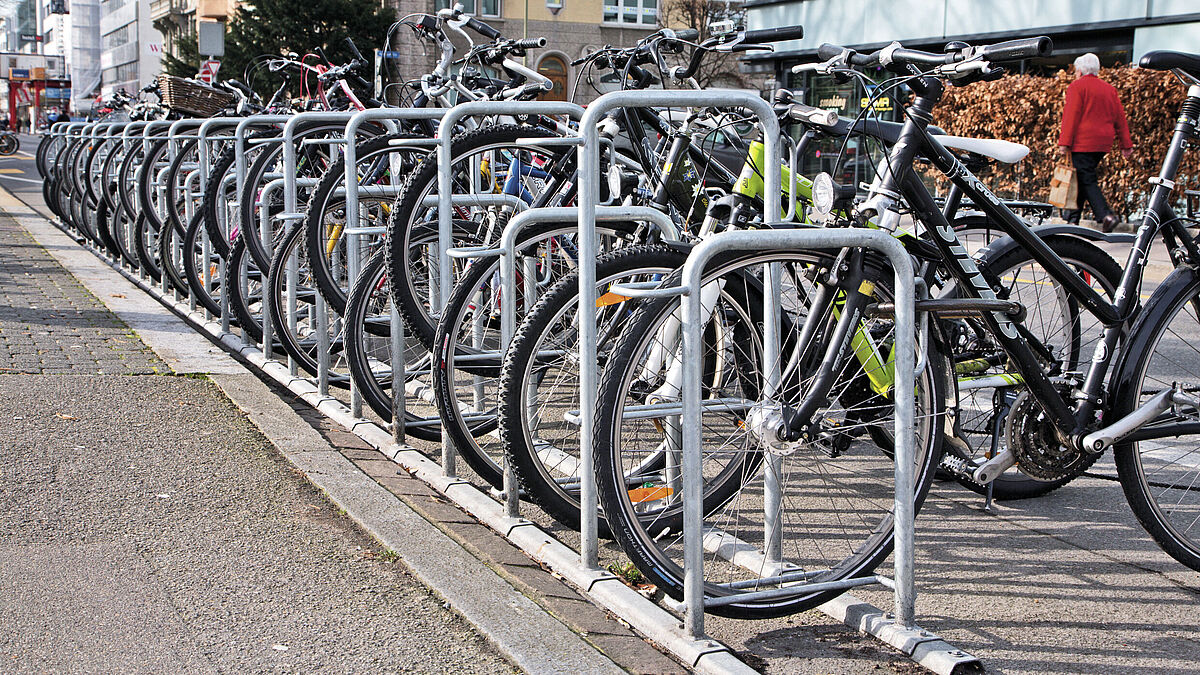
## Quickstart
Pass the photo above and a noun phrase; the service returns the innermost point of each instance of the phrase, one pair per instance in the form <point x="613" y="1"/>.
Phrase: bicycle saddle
<point x="1006" y="152"/>
<point x="1166" y="60"/>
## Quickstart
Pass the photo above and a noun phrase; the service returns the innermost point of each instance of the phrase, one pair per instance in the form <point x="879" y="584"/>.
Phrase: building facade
<point x="174" y="20"/>
<point x="131" y="49"/>
<point x="1118" y="31"/>
<point x="75" y="35"/>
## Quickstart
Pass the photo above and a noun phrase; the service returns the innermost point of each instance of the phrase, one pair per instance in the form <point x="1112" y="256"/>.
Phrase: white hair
<point x="1088" y="64"/>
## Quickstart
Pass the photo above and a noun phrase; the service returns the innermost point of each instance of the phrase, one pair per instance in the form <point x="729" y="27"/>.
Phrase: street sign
<point x="18" y="73"/>
<point x="31" y="37"/>
<point x="208" y="71"/>
<point x="210" y="40"/>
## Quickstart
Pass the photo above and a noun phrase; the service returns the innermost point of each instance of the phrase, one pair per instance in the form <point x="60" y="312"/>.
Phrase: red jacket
<point x="1092" y="116"/>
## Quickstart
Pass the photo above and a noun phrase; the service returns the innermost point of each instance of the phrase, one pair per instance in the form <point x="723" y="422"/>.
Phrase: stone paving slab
<point x="49" y="323"/>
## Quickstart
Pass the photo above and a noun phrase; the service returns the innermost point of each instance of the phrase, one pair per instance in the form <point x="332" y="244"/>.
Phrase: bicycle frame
<point x="1114" y="315"/>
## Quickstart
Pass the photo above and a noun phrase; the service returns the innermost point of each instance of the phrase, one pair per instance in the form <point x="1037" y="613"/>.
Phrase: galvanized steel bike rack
<point x="703" y="655"/>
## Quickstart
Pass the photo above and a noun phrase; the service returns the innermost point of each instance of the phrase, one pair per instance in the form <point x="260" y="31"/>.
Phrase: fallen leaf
<point x="115" y="295"/>
<point x="65" y="416"/>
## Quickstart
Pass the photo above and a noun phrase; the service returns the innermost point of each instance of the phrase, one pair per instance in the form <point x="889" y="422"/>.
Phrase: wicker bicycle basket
<point x="192" y="97"/>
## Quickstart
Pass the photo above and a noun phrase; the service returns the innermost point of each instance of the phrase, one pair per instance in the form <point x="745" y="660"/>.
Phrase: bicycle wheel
<point x="1062" y="332"/>
<point x="170" y="260"/>
<point x="539" y="380"/>
<point x="467" y="359"/>
<point x="368" y="337"/>
<point x="836" y="483"/>
<point x="243" y="282"/>
<point x="145" y="246"/>
<point x="294" y="309"/>
<point x="217" y="195"/>
<point x="202" y="268"/>
<point x="9" y="144"/>
<point x="1159" y="465"/>
<point x="382" y="164"/>
<point x="481" y="161"/>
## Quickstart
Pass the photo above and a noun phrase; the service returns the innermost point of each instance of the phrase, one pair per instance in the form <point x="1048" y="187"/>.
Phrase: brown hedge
<point x="1028" y="109"/>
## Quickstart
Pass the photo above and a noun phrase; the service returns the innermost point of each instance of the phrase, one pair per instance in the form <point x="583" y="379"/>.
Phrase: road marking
<point x="27" y="180"/>
<point x="12" y="171"/>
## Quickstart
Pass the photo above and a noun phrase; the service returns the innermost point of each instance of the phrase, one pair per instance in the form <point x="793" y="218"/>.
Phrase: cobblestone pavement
<point x="49" y="323"/>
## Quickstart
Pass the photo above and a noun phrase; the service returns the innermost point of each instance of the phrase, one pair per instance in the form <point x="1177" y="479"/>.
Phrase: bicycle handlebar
<point x="780" y="34"/>
<point x="810" y="115"/>
<point x="1017" y="50"/>
<point x="1012" y="50"/>
<point x="354" y="50"/>
<point x="484" y="29"/>
<point x="530" y="43"/>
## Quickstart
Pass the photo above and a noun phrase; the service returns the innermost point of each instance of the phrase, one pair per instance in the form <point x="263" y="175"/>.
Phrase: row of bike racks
<point x="581" y="568"/>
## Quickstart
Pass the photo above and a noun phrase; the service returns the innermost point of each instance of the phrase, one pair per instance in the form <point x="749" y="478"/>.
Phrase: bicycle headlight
<point x="823" y="193"/>
<point x="614" y="181"/>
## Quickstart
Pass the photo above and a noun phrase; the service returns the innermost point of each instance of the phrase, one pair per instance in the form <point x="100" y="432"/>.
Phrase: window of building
<point x="119" y="36"/>
<point x="631" y="12"/>
<point x="484" y="7"/>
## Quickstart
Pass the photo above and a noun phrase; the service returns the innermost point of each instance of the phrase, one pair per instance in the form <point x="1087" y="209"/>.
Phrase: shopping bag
<point x="1064" y="188"/>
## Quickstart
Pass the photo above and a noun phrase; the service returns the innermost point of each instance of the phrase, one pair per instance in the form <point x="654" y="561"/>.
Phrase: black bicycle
<point x="1140" y="392"/>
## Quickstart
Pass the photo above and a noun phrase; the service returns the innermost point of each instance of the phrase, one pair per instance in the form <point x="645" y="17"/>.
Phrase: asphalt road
<point x="18" y="174"/>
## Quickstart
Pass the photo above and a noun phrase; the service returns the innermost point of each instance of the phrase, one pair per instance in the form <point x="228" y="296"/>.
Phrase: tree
<point x="716" y="69"/>
<point x="277" y="27"/>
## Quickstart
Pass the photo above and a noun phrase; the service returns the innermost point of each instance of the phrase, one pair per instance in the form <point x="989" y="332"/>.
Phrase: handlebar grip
<point x="780" y="34"/>
<point x="531" y="43"/>
<point x="482" y="28"/>
<point x="828" y="51"/>
<point x="354" y="50"/>
<point x="687" y="34"/>
<point x="1016" y="50"/>
<point x="321" y="54"/>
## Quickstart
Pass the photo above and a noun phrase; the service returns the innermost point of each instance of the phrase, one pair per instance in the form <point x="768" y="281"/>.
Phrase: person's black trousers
<point x="1086" y="172"/>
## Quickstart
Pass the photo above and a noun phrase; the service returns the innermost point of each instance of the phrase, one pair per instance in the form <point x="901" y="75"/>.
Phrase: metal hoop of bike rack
<point x="352" y="234"/>
<point x="445" y="218"/>
<point x="589" y="197"/>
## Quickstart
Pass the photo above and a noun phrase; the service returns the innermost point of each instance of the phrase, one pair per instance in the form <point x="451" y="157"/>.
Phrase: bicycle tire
<point x="1160" y="477"/>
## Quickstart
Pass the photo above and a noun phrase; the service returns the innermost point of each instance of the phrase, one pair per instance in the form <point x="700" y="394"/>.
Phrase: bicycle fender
<point x="1082" y="232"/>
<point x="1048" y="232"/>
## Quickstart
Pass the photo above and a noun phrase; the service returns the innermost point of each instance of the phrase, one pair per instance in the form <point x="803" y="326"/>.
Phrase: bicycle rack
<point x="445" y="218"/>
<point x="508" y="283"/>
<point x="240" y="135"/>
<point x="581" y="568"/>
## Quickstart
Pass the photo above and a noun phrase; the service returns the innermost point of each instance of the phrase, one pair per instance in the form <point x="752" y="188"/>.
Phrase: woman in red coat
<point x="1092" y="119"/>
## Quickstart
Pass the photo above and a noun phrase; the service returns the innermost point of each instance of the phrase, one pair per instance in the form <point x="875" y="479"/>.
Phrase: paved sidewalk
<point x="147" y="526"/>
<point x="51" y="324"/>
